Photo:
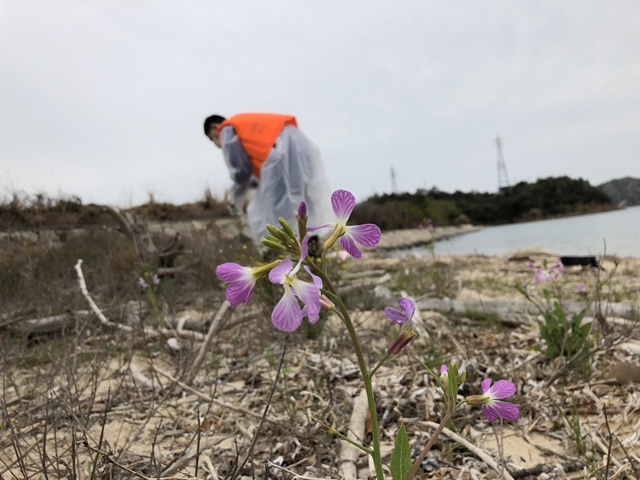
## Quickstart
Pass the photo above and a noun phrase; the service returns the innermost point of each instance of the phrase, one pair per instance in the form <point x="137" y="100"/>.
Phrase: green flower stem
<point x="333" y="431"/>
<point x="427" y="447"/>
<point x="380" y="363"/>
<point x="355" y="444"/>
<point x="377" y="459"/>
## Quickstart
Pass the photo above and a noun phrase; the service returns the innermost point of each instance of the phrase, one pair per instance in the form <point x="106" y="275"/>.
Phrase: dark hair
<point x="213" y="119"/>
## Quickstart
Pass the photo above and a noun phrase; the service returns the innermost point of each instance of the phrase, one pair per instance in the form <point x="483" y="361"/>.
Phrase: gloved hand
<point x="233" y="210"/>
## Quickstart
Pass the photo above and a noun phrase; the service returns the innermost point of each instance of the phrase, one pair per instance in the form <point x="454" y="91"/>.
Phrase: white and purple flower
<point x="287" y="314"/>
<point x="491" y="397"/>
<point x="367" y="235"/>
<point x="241" y="282"/>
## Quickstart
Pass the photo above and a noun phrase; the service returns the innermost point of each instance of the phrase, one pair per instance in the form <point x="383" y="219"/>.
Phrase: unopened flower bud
<point x="402" y="341"/>
<point x="279" y="234"/>
<point x="444" y="375"/>
<point x="326" y="303"/>
<point x="287" y="228"/>
<point x="273" y="245"/>
<point x="302" y="211"/>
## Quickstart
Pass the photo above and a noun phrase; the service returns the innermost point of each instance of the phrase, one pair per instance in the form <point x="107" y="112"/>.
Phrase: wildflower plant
<point x="149" y="283"/>
<point x="564" y="333"/>
<point x="307" y="289"/>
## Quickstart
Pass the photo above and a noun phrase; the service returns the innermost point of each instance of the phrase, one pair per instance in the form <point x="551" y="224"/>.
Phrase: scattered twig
<point x="295" y="475"/>
<point x="207" y="398"/>
<point x="481" y="454"/>
<point x="108" y="459"/>
<point x="264" y="413"/>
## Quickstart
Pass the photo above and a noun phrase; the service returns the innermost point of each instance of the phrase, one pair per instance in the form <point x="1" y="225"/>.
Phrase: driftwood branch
<point x="478" y="452"/>
<point x="213" y="329"/>
<point x="357" y="424"/>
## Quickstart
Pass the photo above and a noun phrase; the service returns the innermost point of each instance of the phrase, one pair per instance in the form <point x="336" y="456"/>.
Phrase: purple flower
<point x="241" y="282"/>
<point x="443" y="370"/>
<point x="531" y="265"/>
<point x="492" y="407"/>
<point x="581" y="288"/>
<point x="430" y="225"/>
<point x="402" y="316"/>
<point x="155" y="279"/>
<point x="367" y="235"/>
<point x="421" y="226"/>
<point x="287" y="314"/>
<point x="142" y="283"/>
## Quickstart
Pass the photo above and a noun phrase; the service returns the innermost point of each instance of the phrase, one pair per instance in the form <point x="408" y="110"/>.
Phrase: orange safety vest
<point x="257" y="133"/>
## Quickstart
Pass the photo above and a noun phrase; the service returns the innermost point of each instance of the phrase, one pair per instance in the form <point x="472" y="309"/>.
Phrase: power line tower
<point x="503" y="178"/>
<point x="394" y="185"/>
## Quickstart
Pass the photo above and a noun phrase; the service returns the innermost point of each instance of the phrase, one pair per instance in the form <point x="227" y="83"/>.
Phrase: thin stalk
<point x="335" y="432"/>
<point x="377" y="459"/>
<point x="380" y="363"/>
<point x="427" y="447"/>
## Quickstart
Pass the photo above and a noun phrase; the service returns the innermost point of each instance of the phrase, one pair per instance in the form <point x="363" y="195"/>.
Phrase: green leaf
<point x="401" y="457"/>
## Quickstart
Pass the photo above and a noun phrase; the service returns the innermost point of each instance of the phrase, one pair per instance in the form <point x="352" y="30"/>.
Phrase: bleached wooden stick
<point x="348" y="453"/>
<point x="213" y="328"/>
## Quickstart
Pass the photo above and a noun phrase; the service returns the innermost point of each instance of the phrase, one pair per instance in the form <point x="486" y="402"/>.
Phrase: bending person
<point x="267" y="153"/>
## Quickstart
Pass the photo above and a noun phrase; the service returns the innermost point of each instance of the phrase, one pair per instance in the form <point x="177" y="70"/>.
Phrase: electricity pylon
<point x="394" y="185"/>
<point x="503" y="178"/>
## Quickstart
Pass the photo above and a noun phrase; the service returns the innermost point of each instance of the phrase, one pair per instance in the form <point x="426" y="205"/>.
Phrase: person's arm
<point x="238" y="163"/>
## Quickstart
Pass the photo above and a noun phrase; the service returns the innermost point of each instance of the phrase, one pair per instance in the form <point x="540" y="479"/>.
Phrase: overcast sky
<point x="105" y="99"/>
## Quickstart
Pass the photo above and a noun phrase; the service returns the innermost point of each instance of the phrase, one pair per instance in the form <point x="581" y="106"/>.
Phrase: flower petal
<point x="279" y="273"/>
<point x="232" y="272"/>
<point x="238" y="292"/>
<point x="395" y="315"/>
<point x="367" y="235"/>
<point x="507" y="410"/>
<point x="286" y="315"/>
<point x="502" y="389"/>
<point x="490" y="412"/>
<point x="486" y="384"/>
<point x="316" y="279"/>
<point x="346" y="242"/>
<point x="342" y="202"/>
<point x="443" y="369"/>
<point x="326" y="225"/>
<point x="408" y="306"/>
<point x="305" y="247"/>
<point x="309" y="293"/>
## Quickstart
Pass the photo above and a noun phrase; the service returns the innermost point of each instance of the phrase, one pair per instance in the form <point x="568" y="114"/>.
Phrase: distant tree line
<point x="548" y="197"/>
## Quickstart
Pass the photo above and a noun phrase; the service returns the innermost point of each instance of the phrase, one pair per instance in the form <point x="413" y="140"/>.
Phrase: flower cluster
<point x="429" y="226"/>
<point x="543" y="274"/>
<point x="301" y="298"/>
<point x="144" y="280"/>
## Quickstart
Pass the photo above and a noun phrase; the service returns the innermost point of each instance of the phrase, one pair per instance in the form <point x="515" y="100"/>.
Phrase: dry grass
<point x="69" y="394"/>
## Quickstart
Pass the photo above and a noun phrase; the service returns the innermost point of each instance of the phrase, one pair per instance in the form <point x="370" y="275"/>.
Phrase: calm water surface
<point x="582" y="235"/>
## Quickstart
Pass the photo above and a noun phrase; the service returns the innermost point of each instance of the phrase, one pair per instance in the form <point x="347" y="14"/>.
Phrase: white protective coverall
<point x="293" y="172"/>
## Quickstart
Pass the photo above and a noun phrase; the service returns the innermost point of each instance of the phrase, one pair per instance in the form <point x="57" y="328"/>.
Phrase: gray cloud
<point x="105" y="99"/>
